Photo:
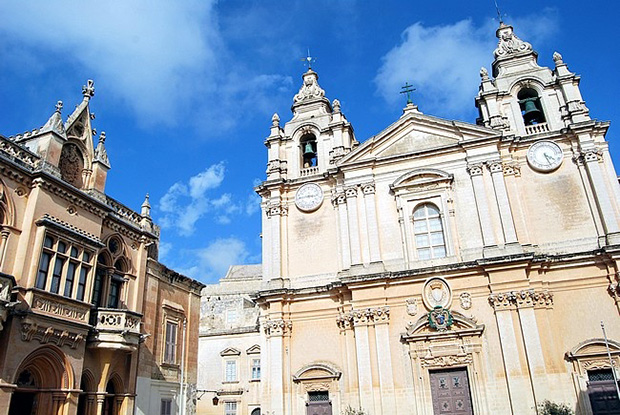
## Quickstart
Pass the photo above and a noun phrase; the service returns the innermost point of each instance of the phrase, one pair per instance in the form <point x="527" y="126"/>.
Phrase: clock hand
<point x="549" y="158"/>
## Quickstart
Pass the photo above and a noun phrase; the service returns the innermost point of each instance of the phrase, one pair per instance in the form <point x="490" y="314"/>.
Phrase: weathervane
<point x="408" y="89"/>
<point x="499" y="13"/>
<point x="309" y="60"/>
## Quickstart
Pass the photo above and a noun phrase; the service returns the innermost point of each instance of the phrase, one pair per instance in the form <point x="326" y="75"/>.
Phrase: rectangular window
<point x="231" y="316"/>
<point x="231" y="371"/>
<point x="230" y="408"/>
<point x="255" y="369"/>
<point x="170" y="350"/>
<point x="44" y="266"/>
<point x="166" y="407"/>
<point x="81" y="284"/>
<point x="69" y="280"/>
<point x="58" y="266"/>
<point x="115" y="291"/>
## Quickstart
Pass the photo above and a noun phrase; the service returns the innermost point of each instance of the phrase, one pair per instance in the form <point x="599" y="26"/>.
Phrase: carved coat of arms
<point x="440" y="319"/>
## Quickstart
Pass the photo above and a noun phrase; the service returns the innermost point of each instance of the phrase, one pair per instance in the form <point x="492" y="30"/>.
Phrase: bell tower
<point x="314" y="139"/>
<point x="524" y="98"/>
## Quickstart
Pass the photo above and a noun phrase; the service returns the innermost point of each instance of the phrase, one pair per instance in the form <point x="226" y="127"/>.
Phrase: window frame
<point x="167" y="402"/>
<point x="235" y="374"/>
<point x="428" y="232"/>
<point x="233" y="410"/>
<point x="255" y="369"/>
<point x="169" y="351"/>
<point x="53" y="277"/>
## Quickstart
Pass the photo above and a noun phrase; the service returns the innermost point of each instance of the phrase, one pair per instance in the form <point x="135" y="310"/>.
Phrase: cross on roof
<point x="308" y="60"/>
<point x="408" y="89"/>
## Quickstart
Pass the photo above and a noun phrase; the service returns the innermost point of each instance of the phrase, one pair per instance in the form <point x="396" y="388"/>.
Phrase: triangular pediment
<point x="253" y="350"/>
<point x="230" y="351"/>
<point x="415" y="132"/>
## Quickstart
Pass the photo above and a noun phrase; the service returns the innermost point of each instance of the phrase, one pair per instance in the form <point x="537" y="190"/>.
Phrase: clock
<point x="309" y="197"/>
<point x="545" y="156"/>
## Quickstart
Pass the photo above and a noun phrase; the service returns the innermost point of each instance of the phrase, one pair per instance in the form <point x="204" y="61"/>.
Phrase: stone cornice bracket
<point x="474" y="169"/>
<point x="350" y="191"/>
<point x="495" y="166"/>
<point x="521" y="299"/>
<point x="339" y="199"/>
<point x="368" y="188"/>
<point x="364" y="317"/>
<point x="276" y="209"/>
<point x="278" y="327"/>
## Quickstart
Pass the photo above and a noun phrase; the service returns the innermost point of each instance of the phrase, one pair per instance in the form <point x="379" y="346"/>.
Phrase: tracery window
<point x="112" y="266"/>
<point x="428" y="232"/>
<point x="64" y="267"/>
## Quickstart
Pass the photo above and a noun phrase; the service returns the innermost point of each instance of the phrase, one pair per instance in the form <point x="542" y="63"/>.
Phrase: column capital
<point x="364" y="317"/>
<point x="350" y="191"/>
<point x="521" y="299"/>
<point x="278" y="328"/>
<point x="339" y="199"/>
<point x="474" y="169"/>
<point x="276" y="209"/>
<point x="495" y="166"/>
<point x="368" y="188"/>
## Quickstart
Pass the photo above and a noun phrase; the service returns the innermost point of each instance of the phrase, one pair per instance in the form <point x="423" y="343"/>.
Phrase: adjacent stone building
<point x="89" y="318"/>
<point x="439" y="267"/>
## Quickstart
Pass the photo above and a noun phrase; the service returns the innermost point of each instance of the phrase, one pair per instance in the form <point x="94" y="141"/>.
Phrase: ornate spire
<point x="509" y="44"/>
<point x="54" y="123"/>
<point x="310" y="88"/>
<point x="101" y="154"/>
<point x="146" y="207"/>
<point x="88" y="90"/>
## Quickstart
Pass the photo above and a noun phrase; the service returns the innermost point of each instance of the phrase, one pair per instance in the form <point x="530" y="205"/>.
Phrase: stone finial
<point x="59" y="107"/>
<point x="146" y="207"/>
<point x="484" y="74"/>
<point x="336" y="105"/>
<point x="102" y="137"/>
<point x="557" y="58"/>
<point x="100" y="152"/>
<point x="88" y="90"/>
<point x="275" y="119"/>
<point x="509" y="44"/>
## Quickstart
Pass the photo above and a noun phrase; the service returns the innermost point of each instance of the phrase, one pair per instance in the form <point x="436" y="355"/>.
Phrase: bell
<point x="308" y="150"/>
<point x="531" y="113"/>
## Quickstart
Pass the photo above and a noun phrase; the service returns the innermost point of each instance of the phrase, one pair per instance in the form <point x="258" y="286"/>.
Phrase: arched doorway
<point x="41" y="379"/>
<point x="114" y="396"/>
<point x="86" y="400"/>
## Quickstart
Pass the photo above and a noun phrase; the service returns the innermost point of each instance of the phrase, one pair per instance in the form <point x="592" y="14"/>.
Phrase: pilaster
<point x="354" y="233"/>
<point x="476" y="173"/>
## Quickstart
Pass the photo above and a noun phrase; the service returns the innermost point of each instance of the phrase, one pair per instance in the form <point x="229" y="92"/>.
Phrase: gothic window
<point x="64" y="267"/>
<point x="531" y="108"/>
<point x="110" y="277"/>
<point x="170" y="349"/>
<point x="71" y="164"/>
<point x="428" y="232"/>
<point x="308" y="151"/>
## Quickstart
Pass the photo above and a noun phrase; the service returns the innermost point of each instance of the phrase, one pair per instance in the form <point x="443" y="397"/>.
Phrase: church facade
<point x="90" y="322"/>
<point x="439" y="267"/>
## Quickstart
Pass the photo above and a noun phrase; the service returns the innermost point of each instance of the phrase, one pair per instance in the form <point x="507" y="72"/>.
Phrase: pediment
<point x="594" y="347"/>
<point x="230" y="351"/>
<point x="421" y="177"/>
<point x="253" y="350"/>
<point x="317" y="371"/>
<point x="462" y="326"/>
<point x="415" y="133"/>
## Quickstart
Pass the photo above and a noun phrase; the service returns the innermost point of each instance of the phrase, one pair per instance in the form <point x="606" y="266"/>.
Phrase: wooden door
<point x="450" y="392"/>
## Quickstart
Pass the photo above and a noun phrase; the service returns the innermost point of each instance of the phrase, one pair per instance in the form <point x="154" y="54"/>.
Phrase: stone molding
<point x="446" y="361"/>
<point x="364" y="317"/>
<point x="588" y="156"/>
<point x="521" y="299"/>
<point x="58" y="308"/>
<point x="50" y="221"/>
<point x="278" y="327"/>
<point x="276" y="209"/>
<point x="475" y="169"/>
<point x="49" y="334"/>
<point x="368" y="188"/>
<point x="69" y="196"/>
<point x="276" y="166"/>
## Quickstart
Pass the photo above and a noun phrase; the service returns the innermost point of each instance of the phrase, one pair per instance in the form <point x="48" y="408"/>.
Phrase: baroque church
<point x="438" y="267"/>
<point x="90" y="322"/>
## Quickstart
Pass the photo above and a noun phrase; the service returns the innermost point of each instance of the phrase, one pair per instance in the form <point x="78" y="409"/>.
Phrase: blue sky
<point x="185" y="90"/>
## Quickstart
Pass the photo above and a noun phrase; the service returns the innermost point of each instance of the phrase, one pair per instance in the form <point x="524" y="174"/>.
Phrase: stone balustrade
<point x="115" y="329"/>
<point x="543" y="127"/>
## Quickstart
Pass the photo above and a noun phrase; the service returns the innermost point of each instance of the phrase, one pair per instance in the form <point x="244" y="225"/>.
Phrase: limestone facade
<point x="80" y="286"/>
<point x="439" y="265"/>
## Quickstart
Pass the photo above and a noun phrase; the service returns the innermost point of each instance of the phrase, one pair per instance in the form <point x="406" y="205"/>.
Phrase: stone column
<point x="340" y="203"/>
<point x="592" y="159"/>
<point x="276" y="330"/>
<point x="381" y="319"/>
<point x="503" y="204"/>
<point x="4" y="236"/>
<point x="368" y="190"/>
<point x="354" y="233"/>
<point x="526" y="301"/>
<point x="480" y="195"/>
<point x="275" y="214"/>
<point x="519" y="388"/>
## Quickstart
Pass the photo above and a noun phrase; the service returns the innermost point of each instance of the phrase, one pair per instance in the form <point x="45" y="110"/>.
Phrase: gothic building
<point x="88" y="317"/>
<point x="438" y="267"/>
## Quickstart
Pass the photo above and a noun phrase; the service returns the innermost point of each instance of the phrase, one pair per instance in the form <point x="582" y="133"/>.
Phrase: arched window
<point x="428" y="230"/>
<point x="308" y="151"/>
<point x="531" y="109"/>
<point x="112" y="266"/>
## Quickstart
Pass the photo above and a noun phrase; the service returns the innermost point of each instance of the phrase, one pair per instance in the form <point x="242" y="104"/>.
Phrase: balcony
<point x="536" y="128"/>
<point x="309" y="171"/>
<point x="114" y="329"/>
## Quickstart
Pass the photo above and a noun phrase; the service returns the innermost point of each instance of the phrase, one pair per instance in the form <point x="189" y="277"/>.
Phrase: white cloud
<point x="443" y="62"/>
<point x="184" y="204"/>
<point x="160" y="58"/>
<point x="220" y="254"/>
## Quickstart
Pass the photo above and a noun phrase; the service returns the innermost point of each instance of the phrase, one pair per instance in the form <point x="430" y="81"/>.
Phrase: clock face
<point x="545" y="156"/>
<point x="309" y="197"/>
